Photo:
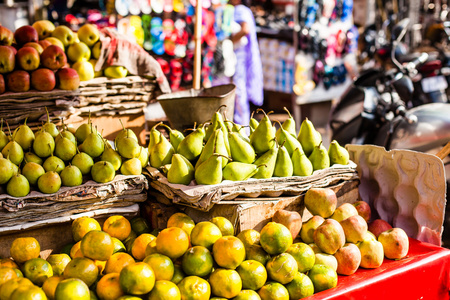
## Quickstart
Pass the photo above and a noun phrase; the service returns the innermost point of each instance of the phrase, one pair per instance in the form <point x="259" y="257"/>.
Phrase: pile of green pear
<point x="53" y="157"/>
<point x="221" y="150"/>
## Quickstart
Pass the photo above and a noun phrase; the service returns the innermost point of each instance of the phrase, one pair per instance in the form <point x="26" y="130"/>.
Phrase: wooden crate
<point x="244" y="213"/>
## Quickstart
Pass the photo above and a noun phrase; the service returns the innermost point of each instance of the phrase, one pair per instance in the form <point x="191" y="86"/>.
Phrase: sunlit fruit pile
<point x="50" y="158"/>
<point x="124" y="260"/>
<point x="221" y="150"/>
<point x="43" y="57"/>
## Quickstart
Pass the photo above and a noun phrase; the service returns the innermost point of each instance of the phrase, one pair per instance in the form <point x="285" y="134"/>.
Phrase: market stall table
<point x="423" y="274"/>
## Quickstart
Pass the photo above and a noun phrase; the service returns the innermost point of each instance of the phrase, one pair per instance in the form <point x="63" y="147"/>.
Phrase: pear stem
<point x="223" y="105"/>
<point x="9" y="129"/>
<point x="123" y="127"/>
<point x="48" y="115"/>
<point x="262" y="165"/>
<point x="282" y="144"/>
<point x="251" y="116"/>
<point x="279" y="123"/>
<point x="1" y="125"/>
<point x="25" y="123"/>
<point x="167" y="127"/>
<point x="289" y="113"/>
<point x="218" y="154"/>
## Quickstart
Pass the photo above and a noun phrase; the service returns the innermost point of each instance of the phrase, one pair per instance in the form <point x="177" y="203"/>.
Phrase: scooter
<point x="373" y="110"/>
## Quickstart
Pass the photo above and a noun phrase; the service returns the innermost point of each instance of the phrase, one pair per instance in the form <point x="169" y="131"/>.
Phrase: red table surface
<point x="423" y="274"/>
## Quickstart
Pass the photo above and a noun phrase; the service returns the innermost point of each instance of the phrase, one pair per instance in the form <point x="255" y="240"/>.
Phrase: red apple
<point x="68" y="79"/>
<point x="36" y="46"/>
<point x="26" y="34"/>
<point x="7" y="59"/>
<point x="14" y="49"/>
<point x="355" y="228"/>
<point x="363" y="209"/>
<point x="378" y="226"/>
<point x="28" y="58"/>
<point x="44" y="44"/>
<point x="53" y="57"/>
<point x="6" y="36"/>
<point x="18" y="81"/>
<point x="2" y="84"/>
<point x="329" y="236"/>
<point x="348" y="258"/>
<point x="43" y="79"/>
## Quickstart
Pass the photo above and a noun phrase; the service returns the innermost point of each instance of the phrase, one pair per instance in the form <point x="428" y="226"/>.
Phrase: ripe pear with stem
<point x="175" y="136"/>
<point x="18" y="186"/>
<point x="13" y="150"/>
<point x="54" y="163"/>
<point x="301" y="164"/>
<point x="241" y="150"/>
<point x="71" y="176"/>
<point x="65" y="148"/>
<point x="338" y="154"/>
<point x="289" y="124"/>
<point x="125" y="133"/>
<point x="102" y="172"/>
<point x="49" y="183"/>
<point x="65" y="132"/>
<point x="319" y="157"/>
<point x="84" y="130"/>
<point x="49" y="126"/>
<point x="161" y="153"/>
<point x="263" y="138"/>
<point x="283" y="163"/>
<point x="32" y="171"/>
<point x="284" y="137"/>
<point x="41" y="144"/>
<point x="131" y="166"/>
<point x="112" y="156"/>
<point x="93" y="144"/>
<point x="4" y="140"/>
<point x="154" y="136"/>
<point x="128" y="147"/>
<point x="181" y="171"/>
<point x="31" y="157"/>
<point x="83" y="162"/>
<point x="239" y="171"/>
<point x="210" y="171"/>
<point x="192" y="145"/>
<point x="253" y="123"/>
<point x="215" y="144"/>
<point x="269" y="159"/>
<point x="217" y="122"/>
<point x="24" y="136"/>
<point x="144" y="156"/>
<point x="6" y="170"/>
<point x="308" y="136"/>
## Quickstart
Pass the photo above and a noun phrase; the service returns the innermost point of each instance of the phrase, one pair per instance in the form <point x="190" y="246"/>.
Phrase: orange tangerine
<point x="37" y="270"/>
<point x="282" y="268"/>
<point x="129" y="297"/>
<point x="228" y="252"/>
<point x="108" y="287"/>
<point x="172" y="242"/>
<point x="194" y="288"/>
<point x="6" y="274"/>
<point x="275" y="238"/>
<point x="300" y="287"/>
<point x="75" y="251"/>
<point x="162" y="266"/>
<point x="8" y="262"/>
<point x="118" y="227"/>
<point x="140" y="244"/>
<point x="323" y="277"/>
<point x="182" y="221"/>
<point x="83" y="225"/>
<point x="253" y="274"/>
<point x="304" y="255"/>
<point x="249" y="237"/>
<point x="82" y="268"/>
<point x="151" y="248"/>
<point x="97" y="245"/>
<point x="49" y="286"/>
<point x="273" y="290"/>
<point x="225" y="283"/>
<point x="11" y="285"/>
<point x="137" y="279"/>
<point x="225" y="226"/>
<point x="117" y="262"/>
<point x="247" y="295"/>
<point x="198" y="261"/>
<point x="72" y="289"/>
<point x="205" y="234"/>
<point x="256" y="252"/>
<point x="164" y="290"/>
<point x="27" y="292"/>
<point x="58" y="263"/>
<point x="24" y="248"/>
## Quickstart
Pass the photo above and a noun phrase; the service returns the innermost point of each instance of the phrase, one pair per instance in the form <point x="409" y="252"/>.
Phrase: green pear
<point x="154" y="136"/>
<point x="175" y="136"/>
<point x="289" y="124"/>
<point x="102" y="172"/>
<point x="31" y="157"/>
<point x="192" y="145"/>
<point x="215" y="144"/>
<point x="128" y="147"/>
<point x="290" y="142"/>
<point x="161" y="153"/>
<point x="239" y="171"/>
<point x="84" y="130"/>
<point x="71" y="176"/>
<point x="125" y="133"/>
<point x="338" y="154"/>
<point x="301" y="164"/>
<point x="93" y="144"/>
<point x="67" y="134"/>
<point x="4" y="140"/>
<point x="44" y="144"/>
<point x="283" y="163"/>
<point x="54" y="163"/>
<point x="50" y="127"/>
<point x="253" y="123"/>
<point x="24" y="136"/>
<point x="308" y="136"/>
<point x="263" y="137"/>
<point x="131" y="167"/>
<point x="112" y="156"/>
<point x="268" y="159"/>
<point x="217" y="122"/>
<point x="18" y="186"/>
<point x="210" y="171"/>
<point x="6" y="170"/>
<point x="181" y="171"/>
<point x="241" y="150"/>
<point x="14" y="152"/>
<point x="32" y="171"/>
<point x="144" y="157"/>
<point x="49" y="183"/>
<point x="65" y="148"/>
<point x="319" y="157"/>
<point x="83" y="162"/>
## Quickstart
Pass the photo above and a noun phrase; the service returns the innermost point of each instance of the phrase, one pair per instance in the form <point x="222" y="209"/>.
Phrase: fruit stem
<point x="223" y="105"/>
<point x="218" y="154"/>
<point x="123" y="127"/>
<point x="1" y="125"/>
<point x="25" y="123"/>
<point x="9" y="129"/>
<point x="262" y="165"/>
<point x="48" y="115"/>
<point x="289" y="113"/>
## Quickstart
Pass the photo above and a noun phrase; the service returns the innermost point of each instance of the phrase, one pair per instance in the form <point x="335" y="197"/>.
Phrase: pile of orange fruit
<point x="123" y="259"/>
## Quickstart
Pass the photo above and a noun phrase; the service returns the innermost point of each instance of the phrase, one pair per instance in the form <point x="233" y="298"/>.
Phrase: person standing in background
<point x="248" y="77"/>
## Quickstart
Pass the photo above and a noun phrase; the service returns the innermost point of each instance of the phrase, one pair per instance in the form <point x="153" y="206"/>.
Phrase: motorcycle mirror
<point x="399" y="30"/>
